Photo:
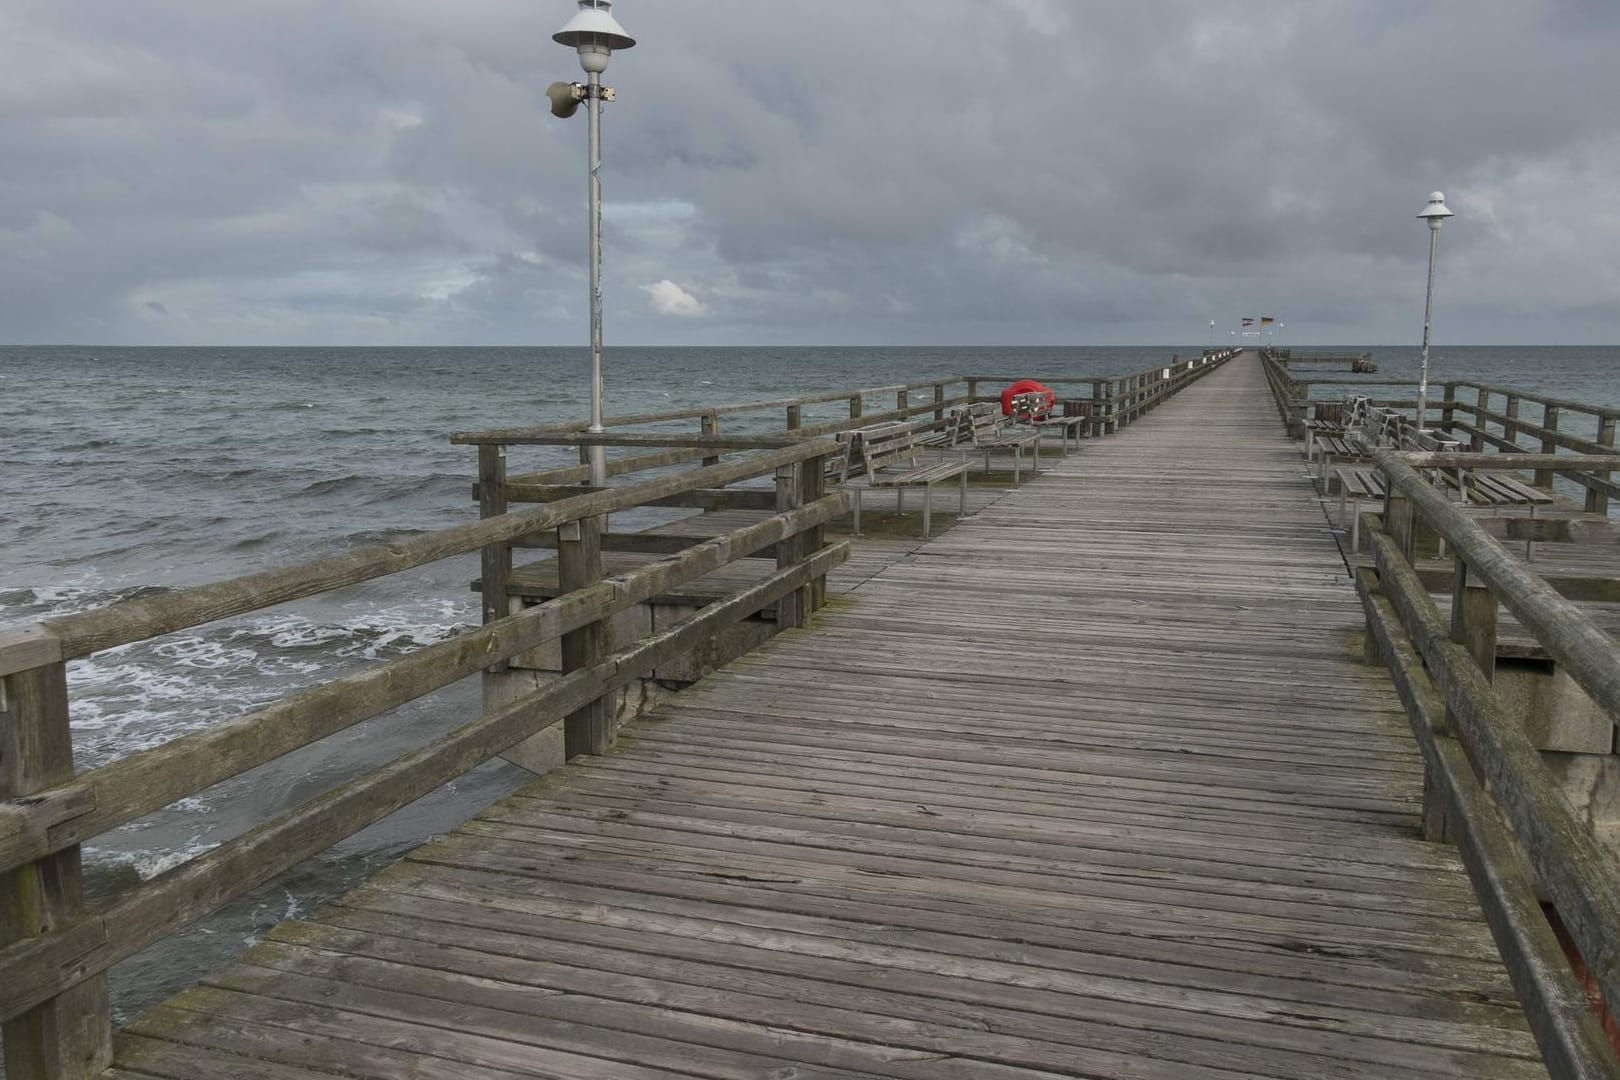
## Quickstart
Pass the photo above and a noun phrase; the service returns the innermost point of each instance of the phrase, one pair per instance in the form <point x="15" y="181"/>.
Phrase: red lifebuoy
<point x="1026" y="386"/>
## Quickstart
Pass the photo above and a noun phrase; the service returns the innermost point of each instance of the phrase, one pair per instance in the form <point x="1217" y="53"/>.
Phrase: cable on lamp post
<point x="1435" y="214"/>
<point x="594" y="33"/>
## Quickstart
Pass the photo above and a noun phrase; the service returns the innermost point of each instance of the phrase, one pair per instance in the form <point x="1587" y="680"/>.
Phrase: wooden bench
<point x="887" y="456"/>
<point x="984" y="430"/>
<point x="1035" y="411"/>
<point x="1346" y="418"/>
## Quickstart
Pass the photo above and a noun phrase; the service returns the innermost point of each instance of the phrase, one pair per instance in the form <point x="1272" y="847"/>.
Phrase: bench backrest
<point x="984" y="421"/>
<point x="880" y="446"/>
<point x="1354" y="412"/>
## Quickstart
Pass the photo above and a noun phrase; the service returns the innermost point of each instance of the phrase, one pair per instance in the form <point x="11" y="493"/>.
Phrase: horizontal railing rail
<point x="1481" y="767"/>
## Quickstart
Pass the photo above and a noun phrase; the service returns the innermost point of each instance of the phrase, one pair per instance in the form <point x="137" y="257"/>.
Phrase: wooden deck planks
<point x="1093" y="785"/>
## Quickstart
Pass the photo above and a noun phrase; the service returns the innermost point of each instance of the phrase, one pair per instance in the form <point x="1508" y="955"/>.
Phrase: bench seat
<point x="1357" y="484"/>
<point x="1501" y="489"/>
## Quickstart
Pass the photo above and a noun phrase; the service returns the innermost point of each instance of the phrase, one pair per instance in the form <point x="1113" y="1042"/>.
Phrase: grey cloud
<point x="926" y="170"/>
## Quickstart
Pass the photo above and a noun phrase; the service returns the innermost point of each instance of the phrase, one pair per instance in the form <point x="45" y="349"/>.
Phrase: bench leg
<point x="900" y="500"/>
<point x="1344" y="494"/>
<point x="1018" y="466"/>
<point x="1355" y="527"/>
<point x="987" y="463"/>
<point x="961" y="497"/>
<point x="857" y="494"/>
<point x="928" y="510"/>
<point x="1035" y="465"/>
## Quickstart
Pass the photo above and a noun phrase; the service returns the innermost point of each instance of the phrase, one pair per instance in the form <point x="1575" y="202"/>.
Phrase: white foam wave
<point x="149" y="864"/>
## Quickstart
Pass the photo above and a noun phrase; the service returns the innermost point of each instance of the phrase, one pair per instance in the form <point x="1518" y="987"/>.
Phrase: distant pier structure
<point x="1144" y="764"/>
<point x="1357" y="363"/>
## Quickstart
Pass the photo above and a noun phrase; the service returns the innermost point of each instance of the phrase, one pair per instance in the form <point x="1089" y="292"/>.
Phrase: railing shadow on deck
<point x="55" y="949"/>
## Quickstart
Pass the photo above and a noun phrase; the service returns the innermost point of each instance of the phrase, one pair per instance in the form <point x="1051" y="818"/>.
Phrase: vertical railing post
<point x="1398" y="523"/>
<point x="1549" y="421"/>
<point x="1111" y="426"/>
<point x="1509" y="428"/>
<point x="710" y="425"/>
<point x="1473" y="626"/>
<point x="855" y="407"/>
<point x="1597" y="502"/>
<point x="792" y="608"/>
<point x="1096" y="408"/>
<point x="972" y="391"/>
<point x="1448" y="407"/>
<point x="812" y="488"/>
<point x="1483" y="404"/>
<point x="901" y="400"/>
<point x="939" y="403"/>
<point x="496" y="559"/>
<point x="579" y="564"/>
<point x="795" y="418"/>
<point x="68" y="1037"/>
<point x="1299" y="396"/>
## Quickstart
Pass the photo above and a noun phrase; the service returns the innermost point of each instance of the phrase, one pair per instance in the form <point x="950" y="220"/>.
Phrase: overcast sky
<point x="809" y="171"/>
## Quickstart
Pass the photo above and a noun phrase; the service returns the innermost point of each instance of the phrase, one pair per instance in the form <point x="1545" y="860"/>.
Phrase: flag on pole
<point x="1247" y="321"/>
<point x="1266" y="320"/>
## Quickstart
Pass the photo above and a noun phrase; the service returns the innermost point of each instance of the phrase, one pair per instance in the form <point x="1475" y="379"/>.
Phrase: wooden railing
<point x="56" y="950"/>
<point x="1487" y="788"/>
<point x="1117" y="401"/>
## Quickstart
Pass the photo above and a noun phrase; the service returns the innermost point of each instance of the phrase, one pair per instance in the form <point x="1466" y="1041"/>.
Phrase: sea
<point x="128" y="470"/>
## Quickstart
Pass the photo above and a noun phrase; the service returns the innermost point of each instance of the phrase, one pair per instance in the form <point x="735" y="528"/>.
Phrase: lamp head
<point x="1436" y="213"/>
<point x="595" y="33"/>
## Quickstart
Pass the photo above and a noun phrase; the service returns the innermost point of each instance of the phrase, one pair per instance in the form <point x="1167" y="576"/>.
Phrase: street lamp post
<point x="1435" y="214"/>
<point x="594" y="33"/>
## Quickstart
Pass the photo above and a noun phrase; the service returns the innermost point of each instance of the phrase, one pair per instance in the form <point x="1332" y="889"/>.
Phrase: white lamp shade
<point x="594" y="25"/>
<point x="1436" y="210"/>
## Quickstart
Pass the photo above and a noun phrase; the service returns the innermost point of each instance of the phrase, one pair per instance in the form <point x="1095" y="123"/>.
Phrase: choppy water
<point x="123" y="470"/>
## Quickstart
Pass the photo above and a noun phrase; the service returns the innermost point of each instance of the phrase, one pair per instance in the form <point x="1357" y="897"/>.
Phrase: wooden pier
<point x="1098" y="783"/>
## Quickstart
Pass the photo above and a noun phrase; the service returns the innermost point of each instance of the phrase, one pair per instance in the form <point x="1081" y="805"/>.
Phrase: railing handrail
<point x="69" y="637"/>
<point x="695" y="412"/>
